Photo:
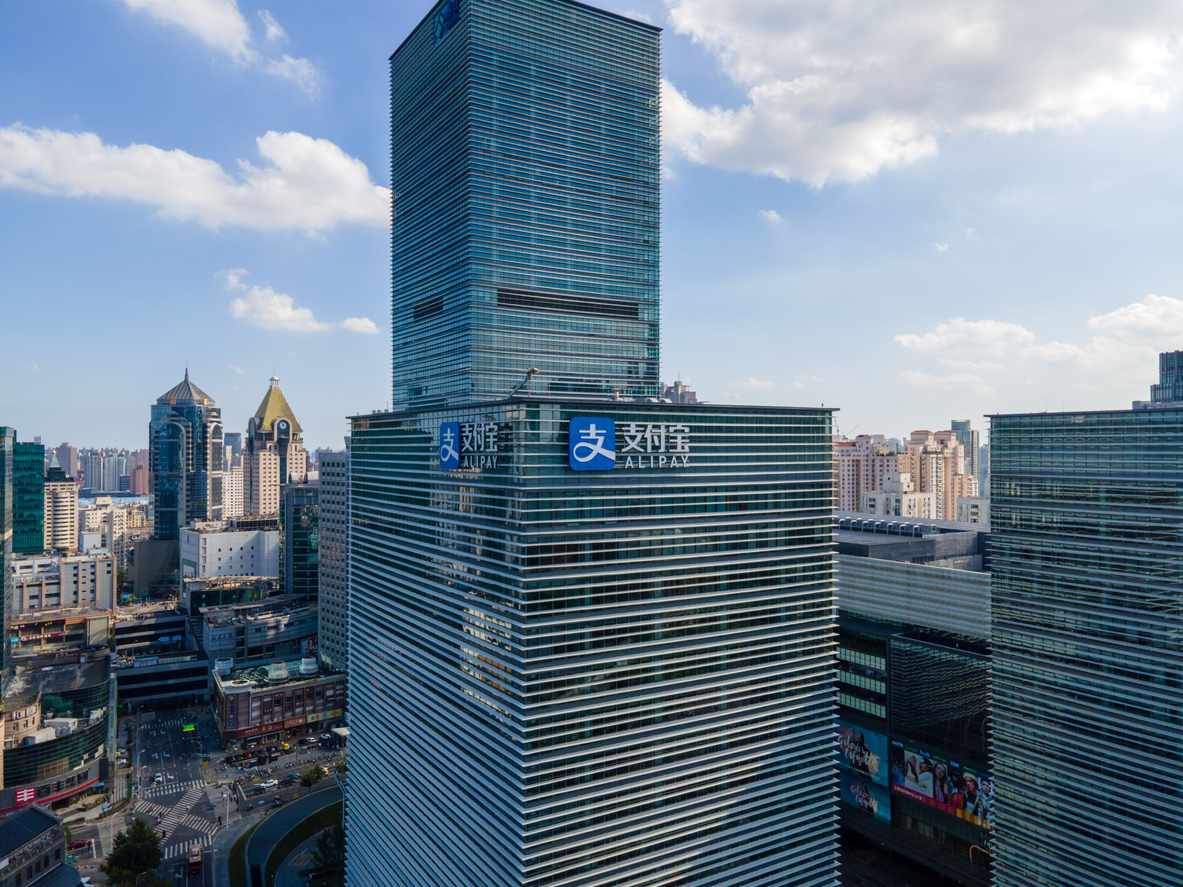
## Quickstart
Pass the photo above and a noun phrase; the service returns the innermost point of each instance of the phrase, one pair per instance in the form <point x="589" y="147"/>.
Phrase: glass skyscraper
<point x="185" y="438"/>
<point x="300" y="548"/>
<point x="524" y="166"/>
<point x="28" y="498"/>
<point x="1087" y="525"/>
<point x="7" y="443"/>
<point x="591" y="635"/>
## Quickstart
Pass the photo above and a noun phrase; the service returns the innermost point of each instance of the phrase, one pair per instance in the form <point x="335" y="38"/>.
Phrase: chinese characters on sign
<point x="656" y="445"/>
<point x="469" y="445"/>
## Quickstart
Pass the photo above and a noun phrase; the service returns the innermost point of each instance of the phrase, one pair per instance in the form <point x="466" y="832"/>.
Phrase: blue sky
<point x="914" y="211"/>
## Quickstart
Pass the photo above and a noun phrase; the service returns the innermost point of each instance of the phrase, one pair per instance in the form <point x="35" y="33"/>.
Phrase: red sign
<point x="26" y="795"/>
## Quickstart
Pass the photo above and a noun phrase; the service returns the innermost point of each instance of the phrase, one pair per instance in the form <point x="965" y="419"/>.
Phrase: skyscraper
<point x="970" y="449"/>
<point x="185" y="437"/>
<point x="525" y="169"/>
<point x="598" y="631"/>
<point x="300" y="545"/>
<point x="333" y="593"/>
<point x="28" y="498"/>
<point x="1087" y="611"/>
<point x="7" y="441"/>
<point x="61" y="512"/>
<point x="273" y="456"/>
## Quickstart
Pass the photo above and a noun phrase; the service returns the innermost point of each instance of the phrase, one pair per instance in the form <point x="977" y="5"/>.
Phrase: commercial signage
<point x="446" y="19"/>
<point x="942" y="783"/>
<point x="26" y="795"/>
<point x="593" y="440"/>
<point x="862" y="752"/>
<point x="469" y="445"/>
<point x="871" y="799"/>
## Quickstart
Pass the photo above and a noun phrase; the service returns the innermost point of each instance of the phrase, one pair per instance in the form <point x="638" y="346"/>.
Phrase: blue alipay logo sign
<point x="592" y="443"/>
<point x="450" y="445"/>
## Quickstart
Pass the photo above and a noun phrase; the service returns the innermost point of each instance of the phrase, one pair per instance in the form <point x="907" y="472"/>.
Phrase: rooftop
<point x="256" y="611"/>
<point x="186" y="392"/>
<point x="21" y="827"/>
<point x="277" y="673"/>
<point x="55" y="674"/>
<point x="274" y="406"/>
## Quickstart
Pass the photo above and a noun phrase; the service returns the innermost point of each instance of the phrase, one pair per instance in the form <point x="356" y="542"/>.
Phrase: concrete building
<point x="258" y="633"/>
<point x="970" y="441"/>
<point x="233" y="490"/>
<point x="239" y="547"/>
<point x="914" y="700"/>
<point x="68" y="460"/>
<point x="157" y="660"/>
<point x="185" y="439"/>
<point x="57" y="582"/>
<point x="141" y="480"/>
<point x="1087" y="515"/>
<point x="899" y="498"/>
<point x="334" y="558"/>
<point x="111" y="522"/>
<point x="273" y="455"/>
<point x="973" y="510"/>
<point x="281" y="699"/>
<point x="61" y="513"/>
<point x="220" y="591"/>
<point x="33" y="847"/>
<point x="863" y="465"/>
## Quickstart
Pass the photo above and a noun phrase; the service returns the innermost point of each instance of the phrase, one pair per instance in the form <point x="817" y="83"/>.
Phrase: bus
<point x="195" y="859"/>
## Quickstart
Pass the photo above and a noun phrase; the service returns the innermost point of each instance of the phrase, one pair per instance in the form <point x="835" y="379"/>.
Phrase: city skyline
<point x="1033" y="235"/>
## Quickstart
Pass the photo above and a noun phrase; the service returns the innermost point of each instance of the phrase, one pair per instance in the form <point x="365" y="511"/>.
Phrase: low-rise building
<point x="974" y="510"/>
<point x="247" y="546"/>
<point x="85" y="581"/>
<point x="157" y="661"/>
<point x="220" y="591"/>
<point x="261" y="632"/>
<point x="293" y="698"/>
<point x="33" y="851"/>
<point x="899" y="499"/>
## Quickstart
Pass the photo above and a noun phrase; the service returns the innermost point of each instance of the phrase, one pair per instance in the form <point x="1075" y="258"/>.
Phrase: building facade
<point x="334" y="558"/>
<point x="28" y="498"/>
<point x="274" y="455"/>
<point x="1086" y="514"/>
<point x="250" y="635"/>
<point x="185" y="439"/>
<point x="970" y="441"/>
<point x="300" y="546"/>
<point x="54" y="583"/>
<point x="7" y="442"/>
<point x="239" y="547"/>
<point x="284" y="698"/>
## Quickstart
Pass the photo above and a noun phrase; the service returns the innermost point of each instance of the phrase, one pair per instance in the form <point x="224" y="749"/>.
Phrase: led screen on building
<point x="871" y="799"/>
<point x="940" y="782"/>
<point x="863" y="752"/>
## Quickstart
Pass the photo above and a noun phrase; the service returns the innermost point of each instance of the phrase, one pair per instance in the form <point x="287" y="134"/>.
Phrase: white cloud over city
<point x="264" y="307"/>
<point x="304" y="184"/>
<point x="836" y="92"/>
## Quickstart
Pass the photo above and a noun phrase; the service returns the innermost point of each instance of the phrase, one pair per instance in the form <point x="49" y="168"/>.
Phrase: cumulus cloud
<point x="307" y="184"/>
<point x="839" y="91"/>
<point x="754" y="384"/>
<point x="220" y="25"/>
<point x="264" y="307"/>
<point x="955" y="382"/>
<point x="992" y="336"/>
<point x="274" y="31"/>
<point x="1156" y="317"/>
<point x="770" y="214"/>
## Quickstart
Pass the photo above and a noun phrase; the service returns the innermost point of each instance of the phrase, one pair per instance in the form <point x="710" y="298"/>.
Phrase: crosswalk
<point x="177" y="813"/>
<point x="171" y="788"/>
<point x="181" y="848"/>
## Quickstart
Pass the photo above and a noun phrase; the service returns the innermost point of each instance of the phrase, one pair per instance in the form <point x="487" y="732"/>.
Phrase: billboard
<point x="871" y="799"/>
<point x="862" y="752"/>
<point x="964" y="792"/>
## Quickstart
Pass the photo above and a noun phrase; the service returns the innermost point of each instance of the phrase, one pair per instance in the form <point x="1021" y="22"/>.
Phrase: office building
<point x="220" y="591"/>
<point x="54" y="583"/>
<point x="185" y="439"/>
<point x="158" y="660"/>
<point x="599" y="634"/>
<point x="1168" y="393"/>
<point x="1086" y="513"/>
<point x="61" y="513"/>
<point x="33" y="844"/>
<point x="239" y="547"/>
<point x="333" y="569"/>
<point x="253" y="634"/>
<point x="300" y="548"/>
<point x="233" y="495"/>
<point x="970" y="441"/>
<point x="7" y="442"/>
<point x="274" y="455"/>
<point x="28" y="498"/>
<point x="914" y="602"/>
<point x="68" y="460"/>
<point x="284" y="698"/>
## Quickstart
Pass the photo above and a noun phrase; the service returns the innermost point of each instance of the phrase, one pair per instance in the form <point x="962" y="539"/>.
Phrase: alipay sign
<point x="592" y="444"/>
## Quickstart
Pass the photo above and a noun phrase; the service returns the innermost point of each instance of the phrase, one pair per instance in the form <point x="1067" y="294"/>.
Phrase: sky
<point x="915" y="211"/>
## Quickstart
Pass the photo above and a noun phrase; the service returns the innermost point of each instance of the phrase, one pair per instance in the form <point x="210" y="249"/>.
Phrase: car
<point x="159" y="777"/>
<point x="277" y="802"/>
<point x="76" y="845"/>
<point x="270" y="783"/>
<point x="325" y="737"/>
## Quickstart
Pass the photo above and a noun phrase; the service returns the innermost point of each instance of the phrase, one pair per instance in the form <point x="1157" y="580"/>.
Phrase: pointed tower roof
<point x="186" y="392"/>
<point x="275" y="406"/>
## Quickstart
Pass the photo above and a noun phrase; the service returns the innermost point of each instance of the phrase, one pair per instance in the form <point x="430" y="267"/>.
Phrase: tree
<point x="312" y="776"/>
<point x="328" y="858"/>
<point x="133" y="853"/>
<point x="343" y="766"/>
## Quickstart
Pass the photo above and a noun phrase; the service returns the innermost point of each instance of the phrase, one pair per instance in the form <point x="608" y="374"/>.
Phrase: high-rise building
<point x="61" y="512"/>
<point x="599" y="634"/>
<point x="7" y="442"/>
<point x="68" y="460"/>
<point x="92" y="470"/>
<point x="300" y="546"/>
<point x="541" y="229"/>
<point x="273" y="456"/>
<point x="1086" y="517"/>
<point x="141" y="480"/>
<point x="28" y="498"/>
<point x="232" y="493"/>
<point x="185" y="436"/>
<point x="970" y="441"/>
<point x="333" y="519"/>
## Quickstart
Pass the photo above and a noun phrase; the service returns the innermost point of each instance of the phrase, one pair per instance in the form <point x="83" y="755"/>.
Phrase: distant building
<point x="679" y="392"/>
<point x="300" y="548"/>
<point x="28" y="498"/>
<point x="141" y="480"/>
<point x="111" y="522"/>
<point x="899" y="498"/>
<point x="81" y="581"/>
<point x="334" y="558"/>
<point x="237" y="547"/>
<point x="1168" y="393"/>
<point x="232" y="505"/>
<point x="185" y="436"/>
<point x="296" y="698"/>
<point x="974" y="510"/>
<point x="61" y="513"/>
<point x="7" y="442"/>
<point x="970" y="441"/>
<point x="258" y="633"/>
<point x="68" y="460"/>
<point x="33" y="846"/>
<point x="274" y="455"/>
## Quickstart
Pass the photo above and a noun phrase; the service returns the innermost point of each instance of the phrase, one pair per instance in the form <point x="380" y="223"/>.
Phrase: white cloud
<point x="755" y="384"/>
<point x="218" y="23"/>
<point x="234" y="278"/>
<point x="274" y="31"/>
<point x="991" y="336"/>
<point x="309" y="184"/>
<point x="34" y="368"/>
<point x="978" y="365"/>
<point x="955" y="382"/>
<point x="839" y="91"/>
<point x="300" y="71"/>
<point x="359" y="325"/>
<point x="1157" y="318"/>
<point x="941" y="247"/>
<point x="238" y="370"/>
<point x="770" y="214"/>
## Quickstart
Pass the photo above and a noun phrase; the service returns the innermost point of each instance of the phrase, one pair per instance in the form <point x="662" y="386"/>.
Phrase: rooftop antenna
<point x="530" y="374"/>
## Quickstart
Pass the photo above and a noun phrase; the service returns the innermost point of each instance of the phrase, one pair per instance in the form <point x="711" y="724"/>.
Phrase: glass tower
<point x="300" y="551"/>
<point x="185" y="437"/>
<point x="28" y="498"/>
<point x="7" y="443"/>
<point x="524" y="167"/>
<point x="1087" y="519"/>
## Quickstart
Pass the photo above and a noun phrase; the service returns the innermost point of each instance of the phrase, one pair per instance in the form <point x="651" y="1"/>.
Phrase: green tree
<point x="134" y="853"/>
<point x="343" y="766"/>
<point x="312" y="776"/>
<point x="328" y="858"/>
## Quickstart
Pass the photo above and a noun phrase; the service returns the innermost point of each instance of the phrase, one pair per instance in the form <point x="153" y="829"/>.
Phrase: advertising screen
<point x="941" y="782"/>
<point x="863" y="752"/>
<point x="871" y="799"/>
